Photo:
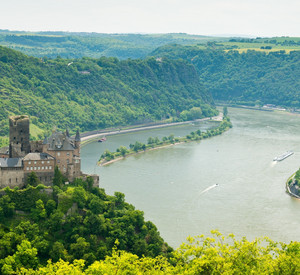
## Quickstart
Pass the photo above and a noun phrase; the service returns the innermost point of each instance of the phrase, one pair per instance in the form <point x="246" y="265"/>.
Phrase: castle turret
<point x="19" y="144"/>
<point x="77" y="139"/>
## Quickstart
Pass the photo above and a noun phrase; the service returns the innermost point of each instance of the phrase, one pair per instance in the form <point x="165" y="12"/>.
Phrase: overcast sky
<point x="206" y="17"/>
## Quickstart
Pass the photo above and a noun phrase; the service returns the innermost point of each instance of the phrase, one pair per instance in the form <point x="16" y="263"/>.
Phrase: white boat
<point x="283" y="156"/>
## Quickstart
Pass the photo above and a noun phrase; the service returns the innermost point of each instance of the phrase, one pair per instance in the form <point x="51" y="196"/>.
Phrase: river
<point x="227" y="182"/>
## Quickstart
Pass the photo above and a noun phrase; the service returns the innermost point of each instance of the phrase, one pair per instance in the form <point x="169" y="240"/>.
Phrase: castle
<point x="23" y="156"/>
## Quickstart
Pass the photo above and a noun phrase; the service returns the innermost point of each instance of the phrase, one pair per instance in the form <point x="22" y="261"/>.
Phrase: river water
<point x="227" y="182"/>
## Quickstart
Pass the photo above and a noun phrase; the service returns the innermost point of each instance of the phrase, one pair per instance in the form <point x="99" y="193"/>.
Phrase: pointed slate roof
<point x="59" y="141"/>
<point x="77" y="137"/>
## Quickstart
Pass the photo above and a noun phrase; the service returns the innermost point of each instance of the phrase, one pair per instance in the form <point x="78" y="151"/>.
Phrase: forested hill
<point x="77" y="45"/>
<point x="97" y="93"/>
<point x="249" y="77"/>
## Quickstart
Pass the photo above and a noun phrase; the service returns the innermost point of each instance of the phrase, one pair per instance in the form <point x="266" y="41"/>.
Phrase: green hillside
<point x="252" y="77"/>
<point x="69" y="222"/>
<point x="77" y="45"/>
<point x="97" y="93"/>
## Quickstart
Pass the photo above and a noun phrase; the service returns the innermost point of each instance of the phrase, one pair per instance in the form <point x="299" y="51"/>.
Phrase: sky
<point x="265" y="18"/>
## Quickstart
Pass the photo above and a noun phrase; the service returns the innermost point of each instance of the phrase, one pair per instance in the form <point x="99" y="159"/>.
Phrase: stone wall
<point x="11" y="177"/>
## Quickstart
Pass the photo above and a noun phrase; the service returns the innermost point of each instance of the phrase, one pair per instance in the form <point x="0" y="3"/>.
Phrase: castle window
<point x="43" y="168"/>
<point x="29" y="162"/>
<point x="68" y="161"/>
<point x="27" y="168"/>
<point x="21" y="139"/>
<point x="48" y="161"/>
<point x="35" y="162"/>
<point x="39" y="168"/>
<point x="34" y="168"/>
<point x="31" y="168"/>
<point x="16" y="179"/>
<point x="58" y="153"/>
<point x="68" y="153"/>
<point x="46" y="167"/>
<point x="58" y="161"/>
<point x="64" y="168"/>
<point x="50" y="167"/>
<point x="42" y="162"/>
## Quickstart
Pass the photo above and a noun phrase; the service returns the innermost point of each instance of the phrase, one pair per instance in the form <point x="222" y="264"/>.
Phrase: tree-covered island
<point x="154" y="143"/>
<point x="293" y="185"/>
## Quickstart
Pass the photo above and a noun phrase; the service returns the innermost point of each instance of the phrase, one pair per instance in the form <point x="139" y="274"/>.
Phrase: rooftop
<point x="59" y="141"/>
<point x="11" y="162"/>
<point x="38" y="156"/>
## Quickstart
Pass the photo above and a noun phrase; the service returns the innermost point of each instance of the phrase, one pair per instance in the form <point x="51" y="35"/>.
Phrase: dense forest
<point x="97" y="93"/>
<point x="69" y="222"/>
<point x="78" y="229"/>
<point x="77" y="45"/>
<point x="250" y="77"/>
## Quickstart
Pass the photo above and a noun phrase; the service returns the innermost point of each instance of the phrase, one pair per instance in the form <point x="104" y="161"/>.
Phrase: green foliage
<point x="58" y="179"/>
<point x="77" y="45"/>
<point x="7" y="208"/>
<point x="96" y="93"/>
<point x="24" y="199"/>
<point x="297" y="175"/>
<point x="199" y="255"/>
<point x="78" y="222"/>
<point x="244" y="78"/>
<point x="32" y="179"/>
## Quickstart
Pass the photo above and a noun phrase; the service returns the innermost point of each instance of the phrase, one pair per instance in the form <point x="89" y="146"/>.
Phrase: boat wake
<point x="209" y="188"/>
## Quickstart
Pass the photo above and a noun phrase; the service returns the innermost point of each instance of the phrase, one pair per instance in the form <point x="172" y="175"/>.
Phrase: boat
<point x="102" y="139"/>
<point x="283" y="156"/>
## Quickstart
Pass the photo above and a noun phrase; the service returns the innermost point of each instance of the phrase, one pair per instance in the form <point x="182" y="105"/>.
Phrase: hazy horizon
<point x="247" y="18"/>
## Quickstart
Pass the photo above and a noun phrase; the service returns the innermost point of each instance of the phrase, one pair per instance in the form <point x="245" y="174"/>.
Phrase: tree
<point x="123" y="150"/>
<point x="58" y="252"/>
<point x="32" y="179"/>
<point x="39" y="212"/>
<point x="50" y="207"/>
<point x="58" y="177"/>
<point x="25" y="256"/>
<point x="7" y="207"/>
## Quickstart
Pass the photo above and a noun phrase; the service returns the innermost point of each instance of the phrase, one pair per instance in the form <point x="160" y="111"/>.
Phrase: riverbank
<point x="154" y="143"/>
<point x="105" y="162"/>
<point x="95" y="136"/>
<point x="288" y="186"/>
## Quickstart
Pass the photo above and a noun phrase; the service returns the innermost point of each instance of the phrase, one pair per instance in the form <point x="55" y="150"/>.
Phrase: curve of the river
<point x="228" y="182"/>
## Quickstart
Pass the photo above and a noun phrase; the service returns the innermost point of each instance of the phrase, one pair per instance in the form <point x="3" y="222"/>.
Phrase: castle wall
<point x="36" y="146"/>
<point x="45" y="177"/>
<point x="63" y="159"/>
<point x="39" y="166"/>
<point x="12" y="177"/>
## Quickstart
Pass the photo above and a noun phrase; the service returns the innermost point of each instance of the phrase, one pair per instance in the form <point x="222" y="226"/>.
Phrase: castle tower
<point x="77" y="139"/>
<point x="19" y="144"/>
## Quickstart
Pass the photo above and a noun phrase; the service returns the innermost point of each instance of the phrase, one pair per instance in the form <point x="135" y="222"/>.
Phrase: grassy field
<point x="286" y="44"/>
